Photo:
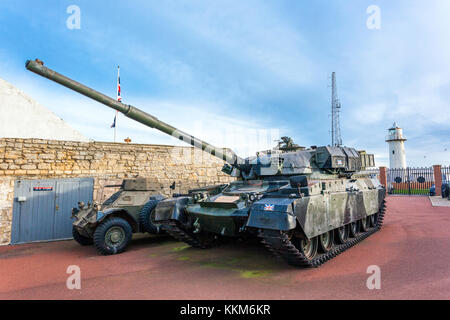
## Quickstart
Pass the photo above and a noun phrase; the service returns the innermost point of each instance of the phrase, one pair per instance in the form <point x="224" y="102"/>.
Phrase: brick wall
<point x="108" y="163"/>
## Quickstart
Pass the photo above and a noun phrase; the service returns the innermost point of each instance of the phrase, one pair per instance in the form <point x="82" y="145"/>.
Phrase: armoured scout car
<point x="110" y="226"/>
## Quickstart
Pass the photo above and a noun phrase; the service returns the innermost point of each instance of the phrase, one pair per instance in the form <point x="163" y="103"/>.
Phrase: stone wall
<point x="107" y="163"/>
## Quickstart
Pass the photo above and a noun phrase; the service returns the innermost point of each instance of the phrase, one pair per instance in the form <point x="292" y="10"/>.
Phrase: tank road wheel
<point x="292" y="246"/>
<point x="147" y="218"/>
<point x="365" y="224"/>
<point x="112" y="236"/>
<point x="376" y="217"/>
<point x="354" y="229"/>
<point x="84" y="241"/>
<point x="372" y="220"/>
<point x="326" y="241"/>
<point x="341" y="234"/>
<point x="308" y="247"/>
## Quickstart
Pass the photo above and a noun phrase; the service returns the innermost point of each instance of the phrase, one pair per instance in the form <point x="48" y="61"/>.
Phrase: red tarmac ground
<point x="412" y="250"/>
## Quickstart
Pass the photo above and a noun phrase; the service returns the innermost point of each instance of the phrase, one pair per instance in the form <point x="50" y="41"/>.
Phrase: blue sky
<point x="241" y="73"/>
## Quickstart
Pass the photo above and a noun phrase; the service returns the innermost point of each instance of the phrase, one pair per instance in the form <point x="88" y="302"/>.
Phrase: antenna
<point x="336" y="140"/>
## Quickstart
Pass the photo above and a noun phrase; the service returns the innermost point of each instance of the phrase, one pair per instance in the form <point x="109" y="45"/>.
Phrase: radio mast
<point x="336" y="140"/>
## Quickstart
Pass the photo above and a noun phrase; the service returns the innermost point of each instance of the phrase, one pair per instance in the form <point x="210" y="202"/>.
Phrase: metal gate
<point x="445" y="175"/>
<point x="410" y="181"/>
<point x="42" y="208"/>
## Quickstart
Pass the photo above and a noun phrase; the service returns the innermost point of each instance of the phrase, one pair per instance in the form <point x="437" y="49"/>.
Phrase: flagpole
<point x="115" y="126"/>
<point x="118" y="99"/>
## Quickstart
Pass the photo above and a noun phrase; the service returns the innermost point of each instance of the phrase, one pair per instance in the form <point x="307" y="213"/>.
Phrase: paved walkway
<point x="412" y="251"/>
<point x="438" y="201"/>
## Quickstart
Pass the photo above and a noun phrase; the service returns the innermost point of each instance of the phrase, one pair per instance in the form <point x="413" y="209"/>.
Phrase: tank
<point x="306" y="206"/>
<point x="109" y="226"/>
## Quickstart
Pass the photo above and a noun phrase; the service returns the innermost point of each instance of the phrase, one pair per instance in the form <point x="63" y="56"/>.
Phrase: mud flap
<point x="172" y="210"/>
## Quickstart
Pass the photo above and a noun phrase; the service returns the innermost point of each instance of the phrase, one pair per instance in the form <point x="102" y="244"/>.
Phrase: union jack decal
<point x="268" y="207"/>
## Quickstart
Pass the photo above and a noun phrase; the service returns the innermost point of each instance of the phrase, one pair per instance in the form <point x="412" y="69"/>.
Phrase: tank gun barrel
<point x="132" y="112"/>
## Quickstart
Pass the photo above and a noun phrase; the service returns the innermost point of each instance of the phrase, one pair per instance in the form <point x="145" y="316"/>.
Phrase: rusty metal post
<point x="437" y="178"/>
<point x="383" y="177"/>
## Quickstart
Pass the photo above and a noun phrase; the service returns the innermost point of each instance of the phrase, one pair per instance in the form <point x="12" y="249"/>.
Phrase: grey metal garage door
<point x="42" y="208"/>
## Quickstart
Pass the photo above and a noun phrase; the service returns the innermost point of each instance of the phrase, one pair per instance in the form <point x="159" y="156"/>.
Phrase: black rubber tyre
<point x="364" y="224"/>
<point x="354" y="229"/>
<point x="341" y="234"/>
<point x="112" y="236"/>
<point x="147" y="216"/>
<point x="326" y="241"/>
<point x="111" y="199"/>
<point x="84" y="241"/>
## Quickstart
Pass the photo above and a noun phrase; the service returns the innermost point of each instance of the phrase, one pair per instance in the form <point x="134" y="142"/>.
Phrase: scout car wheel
<point x="326" y="241"/>
<point x="354" y="228"/>
<point x="147" y="218"/>
<point x="112" y="236"/>
<point x="341" y="234"/>
<point x="84" y="241"/>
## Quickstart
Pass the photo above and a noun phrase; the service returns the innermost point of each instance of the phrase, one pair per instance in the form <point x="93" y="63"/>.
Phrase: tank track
<point x="179" y="234"/>
<point x="279" y="244"/>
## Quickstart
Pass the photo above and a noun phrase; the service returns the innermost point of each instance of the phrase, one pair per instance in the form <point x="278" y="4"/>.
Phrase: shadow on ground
<point x="248" y="258"/>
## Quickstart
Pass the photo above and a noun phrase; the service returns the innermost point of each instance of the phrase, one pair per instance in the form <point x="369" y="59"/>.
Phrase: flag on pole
<point x="114" y="122"/>
<point x="119" y="98"/>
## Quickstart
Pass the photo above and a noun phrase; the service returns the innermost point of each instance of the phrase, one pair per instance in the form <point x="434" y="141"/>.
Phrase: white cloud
<point x="250" y="31"/>
<point x="403" y="76"/>
<point x="370" y="113"/>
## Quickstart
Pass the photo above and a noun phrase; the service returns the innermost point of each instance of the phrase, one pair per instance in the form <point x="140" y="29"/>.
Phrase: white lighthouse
<point x="396" y="141"/>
